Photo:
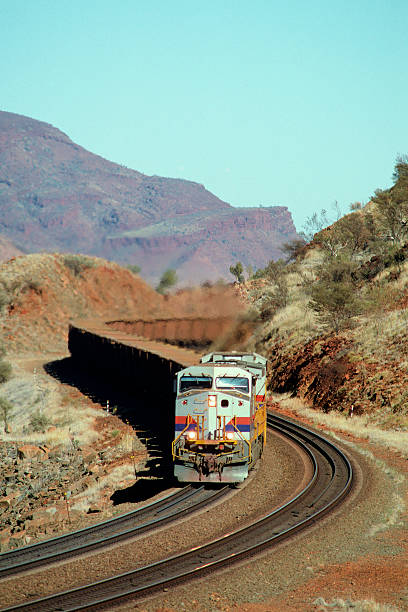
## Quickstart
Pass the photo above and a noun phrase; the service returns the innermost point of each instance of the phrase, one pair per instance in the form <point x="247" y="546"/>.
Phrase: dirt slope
<point x="41" y="293"/>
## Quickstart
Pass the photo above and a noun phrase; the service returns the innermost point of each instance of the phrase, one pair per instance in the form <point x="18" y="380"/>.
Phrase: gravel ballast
<point x="277" y="477"/>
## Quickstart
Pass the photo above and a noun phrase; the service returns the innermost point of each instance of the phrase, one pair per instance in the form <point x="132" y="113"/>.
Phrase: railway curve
<point x="331" y="481"/>
<point x="144" y="360"/>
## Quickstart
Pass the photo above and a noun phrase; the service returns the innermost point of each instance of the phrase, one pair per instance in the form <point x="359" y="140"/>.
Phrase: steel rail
<point x="115" y="530"/>
<point x="331" y="481"/>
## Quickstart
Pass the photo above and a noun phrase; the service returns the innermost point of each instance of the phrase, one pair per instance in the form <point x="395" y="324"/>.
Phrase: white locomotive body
<point x="220" y="417"/>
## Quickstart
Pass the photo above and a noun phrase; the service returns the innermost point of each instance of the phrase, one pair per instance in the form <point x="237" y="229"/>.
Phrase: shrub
<point x="5" y="371"/>
<point x="39" y="422"/>
<point x="334" y="295"/>
<point x="33" y="285"/>
<point x="168" y="279"/>
<point x="238" y="272"/>
<point x="5" y="298"/>
<point x="78" y="263"/>
<point x="5" y="410"/>
<point x="134" y="268"/>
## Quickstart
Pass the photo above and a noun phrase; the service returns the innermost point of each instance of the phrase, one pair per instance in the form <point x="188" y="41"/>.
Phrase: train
<point x="220" y="417"/>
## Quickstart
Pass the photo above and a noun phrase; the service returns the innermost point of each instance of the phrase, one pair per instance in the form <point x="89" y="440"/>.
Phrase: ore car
<point x="220" y="417"/>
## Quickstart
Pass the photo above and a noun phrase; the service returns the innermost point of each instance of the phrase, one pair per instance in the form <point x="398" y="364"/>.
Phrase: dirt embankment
<point x="335" y="373"/>
<point x="41" y="293"/>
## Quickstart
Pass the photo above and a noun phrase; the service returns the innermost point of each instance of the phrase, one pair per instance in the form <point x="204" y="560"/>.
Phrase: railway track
<point x="330" y="483"/>
<point x="113" y="531"/>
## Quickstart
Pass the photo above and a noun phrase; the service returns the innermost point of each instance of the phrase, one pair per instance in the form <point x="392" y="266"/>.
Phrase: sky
<point x="299" y="104"/>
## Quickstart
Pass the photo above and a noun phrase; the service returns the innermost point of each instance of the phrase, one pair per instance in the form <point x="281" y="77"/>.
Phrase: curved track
<point x="113" y="531"/>
<point x="331" y="481"/>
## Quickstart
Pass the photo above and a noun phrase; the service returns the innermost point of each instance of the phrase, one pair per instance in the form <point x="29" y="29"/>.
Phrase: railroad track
<point x="330" y="483"/>
<point x="113" y="531"/>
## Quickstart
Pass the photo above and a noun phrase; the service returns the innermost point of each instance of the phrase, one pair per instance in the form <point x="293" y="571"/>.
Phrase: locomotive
<point x="220" y="417"/>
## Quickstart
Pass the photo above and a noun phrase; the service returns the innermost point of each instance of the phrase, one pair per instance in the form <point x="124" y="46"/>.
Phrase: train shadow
<point x="134" y="406"/>
<point x="140" y="491"/>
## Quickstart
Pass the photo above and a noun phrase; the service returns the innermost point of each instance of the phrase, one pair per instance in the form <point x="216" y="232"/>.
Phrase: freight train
<point x="220" y="417"/>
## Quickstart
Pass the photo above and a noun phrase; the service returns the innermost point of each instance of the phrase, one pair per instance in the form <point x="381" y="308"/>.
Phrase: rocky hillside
<point x="56" y="196"/>
<point x="333" y="321"/>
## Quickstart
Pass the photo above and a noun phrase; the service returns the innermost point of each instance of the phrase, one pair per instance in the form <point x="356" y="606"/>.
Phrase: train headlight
<point x="212" y="401"/>
<point x="230" y="435"/>
<point x="191" y="435"/>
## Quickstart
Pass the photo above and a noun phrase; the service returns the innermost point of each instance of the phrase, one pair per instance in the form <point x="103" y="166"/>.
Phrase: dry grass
<point x="348" y="605"/>
<point x="376" y="336"/>
<point x="38" y="394"/>
<point x="120" y="477"/>
<point x="358" y="426"/>
<point x="295" y="322"/>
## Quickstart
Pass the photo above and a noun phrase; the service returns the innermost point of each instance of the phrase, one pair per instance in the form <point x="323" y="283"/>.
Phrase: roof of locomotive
<point x="235" y="358"/>
<point x="227" y="367"/>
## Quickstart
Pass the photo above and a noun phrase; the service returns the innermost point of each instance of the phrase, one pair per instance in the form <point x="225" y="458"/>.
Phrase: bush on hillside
<point x="238" y="271"/>
<point x="5" y="371"/>
<point x="5" y="298"/>
<point x="334" y="294"/>
<point x="39" y="422"/>
<point x="272" y="271"/>
<point x="391" y="205"/>
<point x="168" y="280"/>
<point x="78" y="263"/>
<point x="5" y="411"/>
<point x="294" y="249"/>
<point x="134" y="268"/>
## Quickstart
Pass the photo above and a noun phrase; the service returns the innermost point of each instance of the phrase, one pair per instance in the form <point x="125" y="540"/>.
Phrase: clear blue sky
<point x="299" y="103"/>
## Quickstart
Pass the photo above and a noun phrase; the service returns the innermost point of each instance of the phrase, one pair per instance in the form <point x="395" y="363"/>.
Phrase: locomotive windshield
<point x="195" y="382"/>
<point x="233" y="382"/>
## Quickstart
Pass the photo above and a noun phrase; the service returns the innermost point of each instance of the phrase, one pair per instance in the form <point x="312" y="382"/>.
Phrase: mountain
<point x="57" y="196"/>
<point x="8" y="249"/>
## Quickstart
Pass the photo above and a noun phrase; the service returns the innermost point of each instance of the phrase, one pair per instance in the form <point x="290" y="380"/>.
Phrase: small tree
<point x="392" y="204"/>
<point x="392" y="209"/>
<point x="350" y="236"/>
<point x="238" y="271"/>
<point x="78" y="263"/>
<point x="168" y="280"/>
<point x="315" y="224"/>
<point x="294" y="249"/>
<point x="134" y="268"/>
<point x="5" y="410"/>
<point x="334" y="295"/>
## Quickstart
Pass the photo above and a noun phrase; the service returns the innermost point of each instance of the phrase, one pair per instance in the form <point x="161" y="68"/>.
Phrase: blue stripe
<point x="181" y="426"/>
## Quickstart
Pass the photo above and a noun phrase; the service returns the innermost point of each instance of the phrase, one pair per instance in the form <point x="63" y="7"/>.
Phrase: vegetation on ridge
<point x="332" y="317"/>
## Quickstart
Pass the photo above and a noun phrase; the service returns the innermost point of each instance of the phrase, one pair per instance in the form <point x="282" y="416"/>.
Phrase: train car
<point x="220" y="417"/>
